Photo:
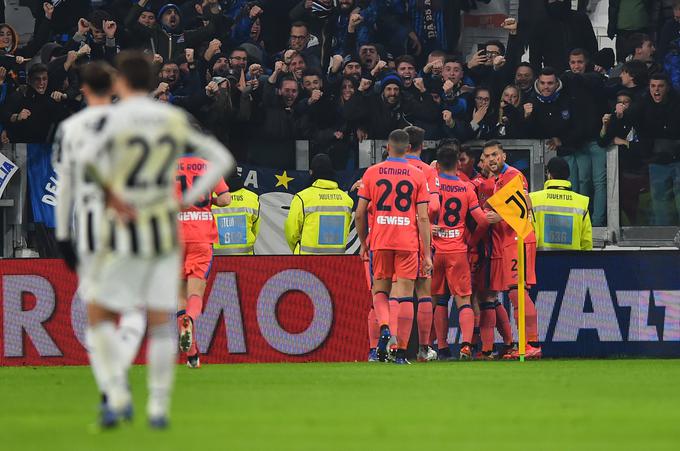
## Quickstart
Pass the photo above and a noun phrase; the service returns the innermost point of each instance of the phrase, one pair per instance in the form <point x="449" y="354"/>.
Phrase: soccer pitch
<point x="545" y="405"/>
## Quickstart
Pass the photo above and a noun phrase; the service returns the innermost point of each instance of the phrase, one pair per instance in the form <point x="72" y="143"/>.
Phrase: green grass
<point x="548" y="405"/>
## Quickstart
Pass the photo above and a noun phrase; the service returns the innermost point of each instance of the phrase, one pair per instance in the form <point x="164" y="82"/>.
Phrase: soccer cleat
<point x="158" y="422"/>
<point x="444" y="354"/>
<point x="484" y="356"/>
<point x="128" y="413"/>
<point x="107" y="417"/>
<point x="465" y="353"/>
<point x="509" y="352"/>
<point x="400" y="358"/>
<point x="533" y="353"/>
<point x="373" y="355"/>
<point x="426" y="354"/>
<point x="383" y="341"/>
<point x="193" y="362"/>
<point x="185" y="334"/>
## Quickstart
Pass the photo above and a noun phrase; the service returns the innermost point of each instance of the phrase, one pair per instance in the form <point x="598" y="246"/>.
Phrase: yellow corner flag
<point x="510" y="203"/>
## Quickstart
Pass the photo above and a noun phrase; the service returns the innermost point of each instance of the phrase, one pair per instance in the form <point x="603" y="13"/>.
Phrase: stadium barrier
<point x="302" y="309"/>
<point x="276" y="187"/>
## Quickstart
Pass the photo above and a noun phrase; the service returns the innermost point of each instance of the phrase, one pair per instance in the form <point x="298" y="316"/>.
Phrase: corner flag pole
<point x="520" y="298"/>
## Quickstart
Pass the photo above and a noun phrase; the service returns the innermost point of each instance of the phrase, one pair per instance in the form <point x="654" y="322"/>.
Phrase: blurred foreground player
<point x="133" y="160"/>
<point x="197" y="233"/>
<point x="504" y="257"/>
<point x="399" y="194"/>
<point x="424" y="280"/>
<point x="75" y="191"/>
<point x="451" y="265"/>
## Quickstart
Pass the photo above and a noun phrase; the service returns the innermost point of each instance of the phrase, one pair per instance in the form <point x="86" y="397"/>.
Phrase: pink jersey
<point x="502" y="235"/>
<point x="196" y="222"/>
<point x="394" y="188"/>
<point x="458" y="198"/>
<point x="430" y="173"/>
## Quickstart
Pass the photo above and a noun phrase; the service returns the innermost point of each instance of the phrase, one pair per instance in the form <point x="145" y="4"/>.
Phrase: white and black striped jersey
<point x="135" y="155"/>
<point x="80" y="208"/>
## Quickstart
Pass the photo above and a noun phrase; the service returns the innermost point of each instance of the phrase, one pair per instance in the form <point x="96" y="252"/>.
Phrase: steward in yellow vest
<point x="319" y="217"/>
<point x="561" y="217"/>
<point x="238" y="224"/>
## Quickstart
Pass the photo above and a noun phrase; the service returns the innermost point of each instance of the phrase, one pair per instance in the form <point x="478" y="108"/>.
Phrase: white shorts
<point x="119" y="283"/>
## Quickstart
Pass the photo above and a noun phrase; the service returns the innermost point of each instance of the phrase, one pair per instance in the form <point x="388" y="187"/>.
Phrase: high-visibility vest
<point x="237" y="224"/>
<point x="561" y="218"/>
<point x="318" y="220"/>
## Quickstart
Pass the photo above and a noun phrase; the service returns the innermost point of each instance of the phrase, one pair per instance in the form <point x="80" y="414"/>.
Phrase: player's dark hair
<point x="558" y="168"/>
<point x="467" y="150"/>
<point x="416" y="136"/>
<point x="493" y="143"/>
<point x="447" y="157"/>
<point x="98" y="76"/>
<point x="399" y="141"/>
<point x="300" y="23"/>
<point x="136" y="69"/>
<point x="312" y="72"/>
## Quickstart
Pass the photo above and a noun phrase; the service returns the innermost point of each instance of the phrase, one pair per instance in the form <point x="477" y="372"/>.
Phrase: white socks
<point x="107" y="364"/>
<point x="161" y="358"/>
<point x="131" y="330"/>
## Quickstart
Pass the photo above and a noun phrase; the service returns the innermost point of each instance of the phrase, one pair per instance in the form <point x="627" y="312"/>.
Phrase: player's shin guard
<point x="425" y="315"/>
<point x="531" y="318"/>
<point x="107" y="364"/>
<point x="194" y="307"/>
<point x="466" y="320"/>
<point x="487" y="324"/>
<point x="382" y="308"/>
<point x="131" y="328"/>
<point x="441" y="323"/>
<point x="405" y="322"/>
<point x="503" y="323"/>
<point x="373" y="329"/>
<point x="161" y="357"/>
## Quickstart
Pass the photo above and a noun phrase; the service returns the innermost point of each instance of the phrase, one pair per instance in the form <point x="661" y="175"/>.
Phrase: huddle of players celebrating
<point x="430" y="230"/>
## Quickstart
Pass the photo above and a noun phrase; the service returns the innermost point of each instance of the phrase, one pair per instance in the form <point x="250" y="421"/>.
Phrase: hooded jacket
<point x="168" y="43"/>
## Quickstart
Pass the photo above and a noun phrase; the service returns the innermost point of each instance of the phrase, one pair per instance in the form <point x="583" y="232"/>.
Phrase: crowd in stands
<point x="335" y="72"/>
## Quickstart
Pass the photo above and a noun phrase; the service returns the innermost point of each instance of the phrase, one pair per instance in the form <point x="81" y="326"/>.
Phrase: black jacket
<point x="556" y="118"/>
<point x="381" y="118"/>
<point x="588" y="95"/>
<point x="552" y="40"/>
<point x="45" y="115"/>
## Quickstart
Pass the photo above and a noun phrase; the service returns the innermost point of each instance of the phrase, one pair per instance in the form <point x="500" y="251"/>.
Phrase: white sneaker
<point x="427" y="355"/>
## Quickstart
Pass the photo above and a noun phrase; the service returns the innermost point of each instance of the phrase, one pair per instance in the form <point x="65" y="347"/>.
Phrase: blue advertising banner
<point x="595" y="304"/>
<point x="42" y="183"/>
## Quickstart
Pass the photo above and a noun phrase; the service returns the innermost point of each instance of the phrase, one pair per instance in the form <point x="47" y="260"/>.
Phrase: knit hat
<point x="390" y="79"/>
<point x="165" y="8"/>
